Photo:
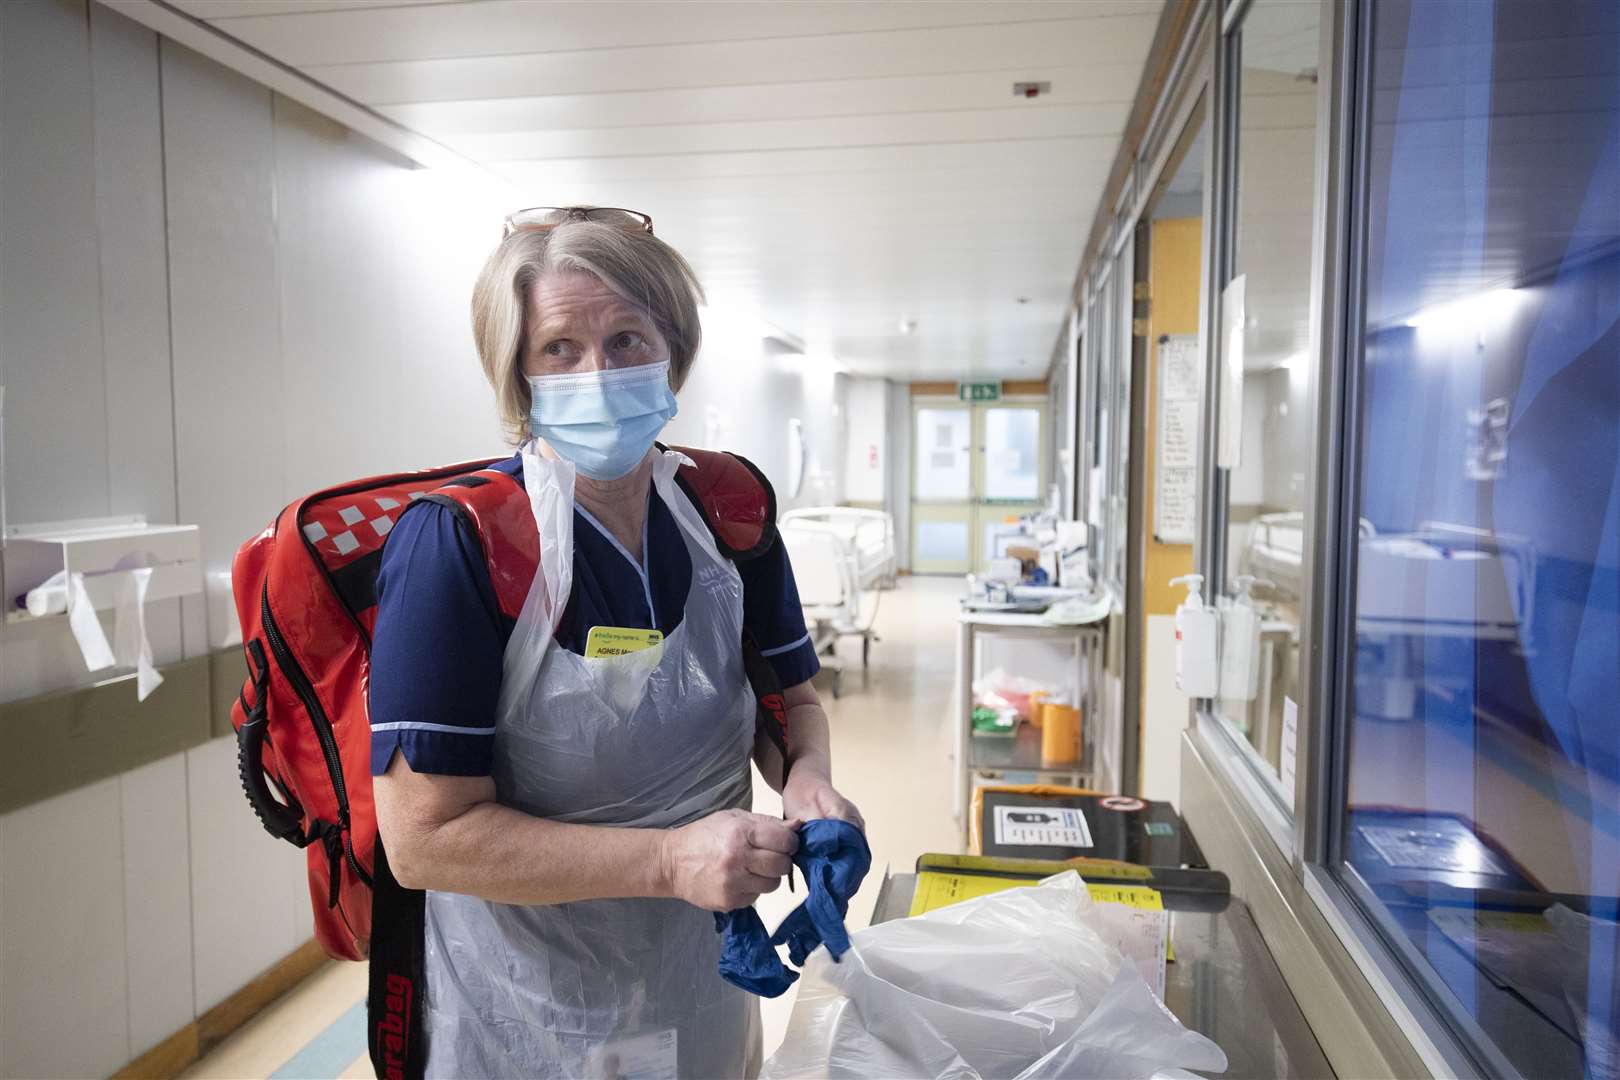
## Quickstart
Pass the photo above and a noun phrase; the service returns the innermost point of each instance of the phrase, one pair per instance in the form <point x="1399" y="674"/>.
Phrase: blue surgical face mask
<point x="602" y="421"/>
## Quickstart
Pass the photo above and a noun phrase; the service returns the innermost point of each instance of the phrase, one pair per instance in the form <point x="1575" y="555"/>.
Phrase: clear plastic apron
<point x="604" y="988"/>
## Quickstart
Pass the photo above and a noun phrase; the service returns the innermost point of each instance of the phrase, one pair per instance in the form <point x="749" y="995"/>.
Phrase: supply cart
<point x="1016" y="757"/>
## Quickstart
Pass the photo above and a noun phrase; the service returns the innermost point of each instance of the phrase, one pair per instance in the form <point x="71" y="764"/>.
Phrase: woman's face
<point x="576" y="323"/>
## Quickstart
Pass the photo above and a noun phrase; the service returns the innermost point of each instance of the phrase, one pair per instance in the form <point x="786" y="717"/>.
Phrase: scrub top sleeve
<point x="771" y="610"/>
<point x="436" y="650"/>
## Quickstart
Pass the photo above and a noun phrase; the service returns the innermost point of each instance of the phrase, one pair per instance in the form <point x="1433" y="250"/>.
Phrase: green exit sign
<point x="979" y="391"/>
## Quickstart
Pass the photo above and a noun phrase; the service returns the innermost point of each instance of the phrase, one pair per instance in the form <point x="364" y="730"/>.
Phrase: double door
<point x="974" y="470"/>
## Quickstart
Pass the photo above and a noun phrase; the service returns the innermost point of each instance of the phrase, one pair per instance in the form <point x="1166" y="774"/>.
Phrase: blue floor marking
<point x="329" y="1053"/>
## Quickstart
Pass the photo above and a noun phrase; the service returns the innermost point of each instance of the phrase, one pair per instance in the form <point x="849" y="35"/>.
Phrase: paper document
<point x="1180" y="392"/>
<point x="1047" y="826"/>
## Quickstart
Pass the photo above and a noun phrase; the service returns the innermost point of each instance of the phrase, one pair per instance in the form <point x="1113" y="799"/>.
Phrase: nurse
<point x="575" y="820"/>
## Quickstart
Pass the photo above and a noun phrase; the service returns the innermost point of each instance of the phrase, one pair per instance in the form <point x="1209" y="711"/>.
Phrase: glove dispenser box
<point x="104" y="551"/>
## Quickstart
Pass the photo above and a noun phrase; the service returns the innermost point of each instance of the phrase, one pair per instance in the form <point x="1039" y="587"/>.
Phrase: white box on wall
<point x="103" y="550"/>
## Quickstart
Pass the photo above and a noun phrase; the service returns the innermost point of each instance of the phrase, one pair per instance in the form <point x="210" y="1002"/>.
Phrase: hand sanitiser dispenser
<point x="1240" y="642"/>
<point x="1197" y="671"/>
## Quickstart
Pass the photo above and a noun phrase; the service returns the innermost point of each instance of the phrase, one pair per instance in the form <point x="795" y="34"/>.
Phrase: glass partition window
<point x="1482" y="824"/>
<point x="1260" y="583"/>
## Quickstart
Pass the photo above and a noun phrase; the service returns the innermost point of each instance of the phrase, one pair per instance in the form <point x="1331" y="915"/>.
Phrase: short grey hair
<point x="632" y="262"/>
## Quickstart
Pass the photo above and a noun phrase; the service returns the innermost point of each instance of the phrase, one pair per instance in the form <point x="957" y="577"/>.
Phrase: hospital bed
<point x="1416" y="591"/>
<point x="868" y="533"/>
<point x="827" y="569"/>
<point x="1274" y="552"/>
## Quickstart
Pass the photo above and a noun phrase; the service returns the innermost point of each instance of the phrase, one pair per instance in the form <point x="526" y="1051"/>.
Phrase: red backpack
<point x="306" y="594"/>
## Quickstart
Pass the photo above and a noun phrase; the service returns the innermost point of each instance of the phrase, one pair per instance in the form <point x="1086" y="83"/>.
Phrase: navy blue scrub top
<point x="436" y="652"/>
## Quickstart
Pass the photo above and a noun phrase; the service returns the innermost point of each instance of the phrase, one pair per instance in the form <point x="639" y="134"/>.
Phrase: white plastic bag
<point x="1015" y="984"/>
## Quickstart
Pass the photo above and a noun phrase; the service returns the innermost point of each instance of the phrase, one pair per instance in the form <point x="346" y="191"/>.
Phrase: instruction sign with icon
<point x="1047" y="826"/>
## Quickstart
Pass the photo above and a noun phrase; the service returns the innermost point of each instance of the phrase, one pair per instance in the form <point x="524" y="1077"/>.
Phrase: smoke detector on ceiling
<point x="1031" y="89"/>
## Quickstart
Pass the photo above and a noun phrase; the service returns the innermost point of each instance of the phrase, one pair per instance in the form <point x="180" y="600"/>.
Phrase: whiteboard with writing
<point x="1175" y="497"/>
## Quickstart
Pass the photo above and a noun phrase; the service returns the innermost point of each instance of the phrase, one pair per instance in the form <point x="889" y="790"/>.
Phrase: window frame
<point x="1291" y="866"/>
<point x="1100" y="320"/>
<point x="1288" y="827"/>
<point x="1440" y="1028"/>
<point x="1119" y="453"/>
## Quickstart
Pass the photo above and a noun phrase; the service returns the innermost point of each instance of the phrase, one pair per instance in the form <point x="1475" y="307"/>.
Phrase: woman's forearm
<point x="808" y="742"/>
<point x="449" y="834"/>
<point x="501" y="854"/>
<point x="809" y="745"/>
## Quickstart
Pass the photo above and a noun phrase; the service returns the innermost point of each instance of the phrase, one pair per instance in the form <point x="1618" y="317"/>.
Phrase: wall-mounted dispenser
<point x="73" y="569"/>
<point x="1197" y="673"/>
<point x="1240" y="642"/>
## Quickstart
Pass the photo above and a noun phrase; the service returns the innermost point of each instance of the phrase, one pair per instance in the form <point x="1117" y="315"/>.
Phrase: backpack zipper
<point x="317" y="717"/>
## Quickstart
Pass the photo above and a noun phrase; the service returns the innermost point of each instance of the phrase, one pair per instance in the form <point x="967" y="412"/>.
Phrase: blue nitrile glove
<point x="834" y="858"/>
<point x="747" y="957"/>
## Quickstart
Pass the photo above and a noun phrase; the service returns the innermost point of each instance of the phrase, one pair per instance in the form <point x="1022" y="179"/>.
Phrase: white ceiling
<point x="836" y="166"/>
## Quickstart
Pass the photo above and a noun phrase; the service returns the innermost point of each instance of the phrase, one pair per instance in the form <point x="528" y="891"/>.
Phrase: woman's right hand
<point x="726" y="860"/>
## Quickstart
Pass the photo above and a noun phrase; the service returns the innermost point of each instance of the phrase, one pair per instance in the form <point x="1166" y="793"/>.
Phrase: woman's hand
<point x="726" y="860"/>
<point x="809" y="795"/>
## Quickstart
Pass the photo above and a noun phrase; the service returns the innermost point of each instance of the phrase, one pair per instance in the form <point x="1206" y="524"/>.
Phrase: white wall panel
<point x="83" y="307"/>
<point x="249" y="902"/>
<point x="376" y="266"/>
<point x="50" y="299"/>
<point x="157" y="901"/>
<point x="134" y="273"/>
<point x="134" y="286"/>
<point x="737" y="399"/>
<point x="1165" y="710"/>
<point x="900" y="451"/>
<point x="64" y="1000"/>
<point x="228" y="400"/>
<point x="866" y="459"/>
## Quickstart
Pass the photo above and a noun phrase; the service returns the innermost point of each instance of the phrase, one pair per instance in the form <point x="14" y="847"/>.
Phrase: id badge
<point x="609" y="641"/>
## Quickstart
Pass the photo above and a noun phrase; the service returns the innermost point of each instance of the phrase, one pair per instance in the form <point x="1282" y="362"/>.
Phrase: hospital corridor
<point x="710" y="539"/>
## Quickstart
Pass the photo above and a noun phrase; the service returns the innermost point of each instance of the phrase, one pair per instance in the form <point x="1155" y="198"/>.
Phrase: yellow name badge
<point x="609" y="641"/>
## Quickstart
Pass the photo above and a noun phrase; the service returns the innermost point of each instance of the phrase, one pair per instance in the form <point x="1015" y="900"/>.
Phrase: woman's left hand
<point x="809" y="795"/>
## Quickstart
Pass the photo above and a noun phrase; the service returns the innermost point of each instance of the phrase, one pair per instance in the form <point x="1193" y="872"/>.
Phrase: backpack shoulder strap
<point x="735" y="499"/>
<point x="495" y="508"/>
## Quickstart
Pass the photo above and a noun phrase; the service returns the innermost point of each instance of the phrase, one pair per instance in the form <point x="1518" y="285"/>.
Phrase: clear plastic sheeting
<point x="1016" y="984"/>
<point x="1588" y="952"/>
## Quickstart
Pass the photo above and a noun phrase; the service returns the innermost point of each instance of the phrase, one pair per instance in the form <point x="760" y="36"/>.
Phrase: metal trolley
<point x="999" y="759"/>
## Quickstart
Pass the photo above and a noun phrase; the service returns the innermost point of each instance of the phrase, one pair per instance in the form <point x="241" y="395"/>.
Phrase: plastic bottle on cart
<point x="1197" y="669"/>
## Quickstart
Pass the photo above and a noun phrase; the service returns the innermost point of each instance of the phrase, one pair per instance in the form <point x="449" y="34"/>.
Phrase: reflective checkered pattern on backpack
<point x="349" y="527"/>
